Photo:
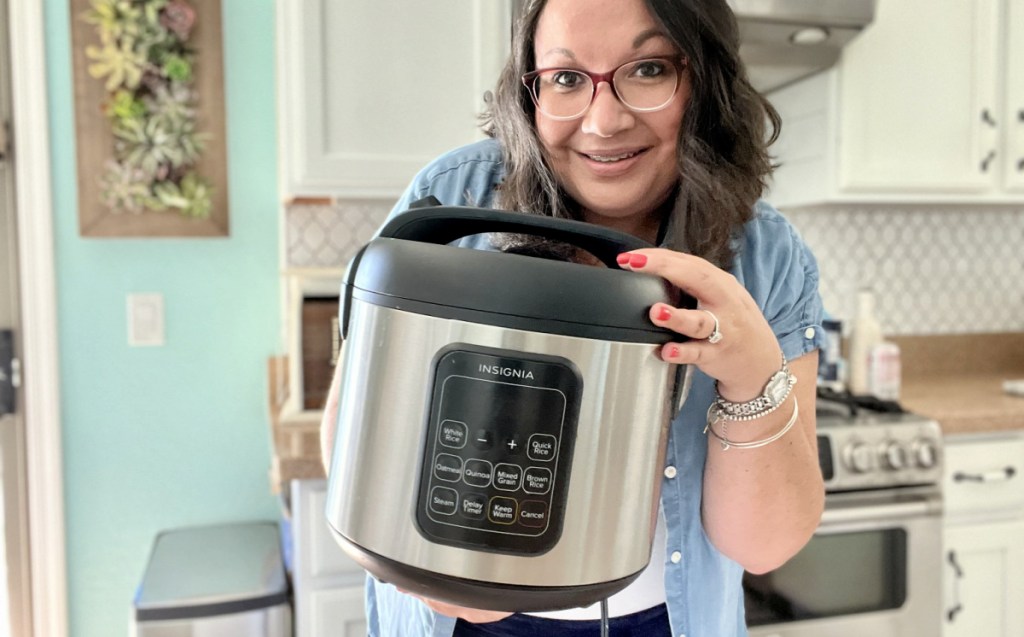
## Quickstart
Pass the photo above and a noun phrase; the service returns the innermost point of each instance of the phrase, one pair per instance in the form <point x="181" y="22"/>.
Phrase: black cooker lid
<point x="414" y="270"/>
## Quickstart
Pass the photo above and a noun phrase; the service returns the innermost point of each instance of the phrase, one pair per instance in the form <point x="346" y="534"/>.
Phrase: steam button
<point x="444" y="501"/>
<point x="541" y="447"/>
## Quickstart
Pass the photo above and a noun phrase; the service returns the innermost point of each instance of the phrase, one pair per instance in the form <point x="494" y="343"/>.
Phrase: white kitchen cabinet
<point x="926" y="105"/>
<point x="985" y="590"/>
<point x="984" y="536"/>
<point x="328" y="585"/>
<point x="369" y="91"/>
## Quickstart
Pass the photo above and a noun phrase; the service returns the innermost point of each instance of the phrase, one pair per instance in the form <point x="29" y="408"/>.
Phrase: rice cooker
<point x="502" y="418"/>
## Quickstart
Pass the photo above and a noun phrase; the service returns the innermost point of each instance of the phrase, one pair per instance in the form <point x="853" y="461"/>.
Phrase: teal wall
<point x="177" y="435"/>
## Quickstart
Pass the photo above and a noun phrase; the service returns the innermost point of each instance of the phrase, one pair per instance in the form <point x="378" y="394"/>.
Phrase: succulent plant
<point x="147" y="69"/>
<point x="125" y="189"/>
<point x="192" y="197"/>
<point x="119" y="62"/>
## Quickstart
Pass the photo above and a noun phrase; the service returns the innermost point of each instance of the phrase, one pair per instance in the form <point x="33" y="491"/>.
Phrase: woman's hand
<point x="748" y="353"/>
<point x="471" y="615"/>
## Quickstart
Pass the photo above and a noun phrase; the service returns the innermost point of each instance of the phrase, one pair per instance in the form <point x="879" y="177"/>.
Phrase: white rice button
<point x="670" y="472"/>
<point x="809" y="333"/>
<point x="676" y="557"/>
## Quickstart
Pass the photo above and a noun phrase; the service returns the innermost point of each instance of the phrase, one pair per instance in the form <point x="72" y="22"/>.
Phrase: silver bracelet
<point x="754" y="444"/>
<point x="775" y="392"/>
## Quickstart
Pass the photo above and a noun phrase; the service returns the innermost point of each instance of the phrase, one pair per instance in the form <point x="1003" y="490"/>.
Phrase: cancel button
<point x="533" y="513"/>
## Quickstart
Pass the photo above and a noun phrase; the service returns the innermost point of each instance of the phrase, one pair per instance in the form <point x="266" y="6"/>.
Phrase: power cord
<point x="604" y="618"/>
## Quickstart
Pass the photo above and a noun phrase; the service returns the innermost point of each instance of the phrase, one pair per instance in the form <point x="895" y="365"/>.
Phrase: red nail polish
<point x="673" y="351"/>
<point x="664" y="314"/>
<point x="623" y="258"/>
<point x="637" y="260"/>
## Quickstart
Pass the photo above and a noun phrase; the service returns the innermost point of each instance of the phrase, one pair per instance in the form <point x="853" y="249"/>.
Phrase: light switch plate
<point x="145" y="320"/>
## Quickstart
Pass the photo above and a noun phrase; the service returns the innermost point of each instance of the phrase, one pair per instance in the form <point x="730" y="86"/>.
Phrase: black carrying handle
<point x="427" y="221"/>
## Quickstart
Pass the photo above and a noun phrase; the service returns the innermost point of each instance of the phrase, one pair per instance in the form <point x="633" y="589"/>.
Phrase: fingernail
<point x="664" y="314"/>
<point x="637" y="260"/>
<point x="673" y="351"/>
<point x="623" y="258"/>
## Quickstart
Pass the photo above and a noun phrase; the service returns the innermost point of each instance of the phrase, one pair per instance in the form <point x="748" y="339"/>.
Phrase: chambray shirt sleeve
<point x="466" y="176"/>
<point x="781" y="274"/>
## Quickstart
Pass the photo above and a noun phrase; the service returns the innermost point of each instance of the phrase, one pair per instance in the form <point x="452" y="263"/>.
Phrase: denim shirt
<point x="703" y="589"/>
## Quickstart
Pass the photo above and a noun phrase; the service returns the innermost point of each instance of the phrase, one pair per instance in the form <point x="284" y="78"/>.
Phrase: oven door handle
<point x="884" y="511"/>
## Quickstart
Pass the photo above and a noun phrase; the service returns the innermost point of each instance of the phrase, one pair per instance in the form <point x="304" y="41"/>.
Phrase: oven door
<point x="874" y="567"/>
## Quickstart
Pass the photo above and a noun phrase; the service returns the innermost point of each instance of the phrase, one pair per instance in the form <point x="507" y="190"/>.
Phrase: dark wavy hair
<point x="723" y="141"/>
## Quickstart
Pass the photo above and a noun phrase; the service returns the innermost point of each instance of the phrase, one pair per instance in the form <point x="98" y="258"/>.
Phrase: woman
<point x="637" y="115"/>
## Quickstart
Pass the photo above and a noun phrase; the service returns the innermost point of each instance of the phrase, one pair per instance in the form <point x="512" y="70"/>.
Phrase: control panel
<point x="880" y="451"/>
<point x="498" y="449"/>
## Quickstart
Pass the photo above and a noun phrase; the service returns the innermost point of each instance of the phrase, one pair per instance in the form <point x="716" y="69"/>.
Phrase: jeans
<point x="652" y="622"/>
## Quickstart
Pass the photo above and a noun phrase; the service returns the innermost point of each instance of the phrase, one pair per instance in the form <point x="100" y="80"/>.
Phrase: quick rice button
<point x="541" y="447"/>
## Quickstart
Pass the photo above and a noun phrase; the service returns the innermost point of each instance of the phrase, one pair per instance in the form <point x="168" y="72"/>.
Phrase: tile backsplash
<point x="934" y="271"/>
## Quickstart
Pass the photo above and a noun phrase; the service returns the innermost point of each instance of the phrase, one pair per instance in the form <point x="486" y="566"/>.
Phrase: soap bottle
<point x="865" y="335"/>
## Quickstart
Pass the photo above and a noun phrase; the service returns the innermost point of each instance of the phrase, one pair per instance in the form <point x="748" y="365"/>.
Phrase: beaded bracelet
<point x="754" y="444"/>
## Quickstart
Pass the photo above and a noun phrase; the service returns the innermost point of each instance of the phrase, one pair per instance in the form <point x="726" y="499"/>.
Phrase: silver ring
<point x="715" y="334"/>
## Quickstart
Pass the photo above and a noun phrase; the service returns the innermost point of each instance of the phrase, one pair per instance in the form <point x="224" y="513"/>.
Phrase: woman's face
<point x="620" y="165"/>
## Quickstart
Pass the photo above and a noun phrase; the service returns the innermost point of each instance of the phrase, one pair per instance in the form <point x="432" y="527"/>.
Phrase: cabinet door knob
<point x="959" y="573"/>
<point x="985" y="163"/>
<point x="986" y="116"/>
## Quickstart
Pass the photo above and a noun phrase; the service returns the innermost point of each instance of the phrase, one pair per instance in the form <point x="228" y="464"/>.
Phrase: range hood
<point x="782" y="41"/>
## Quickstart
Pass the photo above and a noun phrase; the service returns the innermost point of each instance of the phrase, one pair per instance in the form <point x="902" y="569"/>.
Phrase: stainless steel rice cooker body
<point x="502" y="418"/>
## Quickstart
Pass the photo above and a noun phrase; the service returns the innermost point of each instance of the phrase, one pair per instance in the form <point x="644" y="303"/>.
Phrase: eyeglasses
<point x="642" y="85"/>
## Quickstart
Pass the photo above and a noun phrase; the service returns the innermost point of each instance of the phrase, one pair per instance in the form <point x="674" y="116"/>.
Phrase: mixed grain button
<point x="508" y="477"/>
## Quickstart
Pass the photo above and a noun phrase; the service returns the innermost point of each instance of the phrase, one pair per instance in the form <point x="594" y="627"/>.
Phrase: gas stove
<point x="866" y="444"/>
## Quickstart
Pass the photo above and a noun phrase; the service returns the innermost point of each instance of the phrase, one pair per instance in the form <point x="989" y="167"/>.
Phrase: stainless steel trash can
<point x="224" y="581"/>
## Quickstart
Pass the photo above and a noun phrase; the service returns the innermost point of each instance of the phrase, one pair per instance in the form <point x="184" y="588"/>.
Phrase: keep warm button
<point x="502" y="510"/>
<point x="541" y="447"/>
<point x="534" y="513"/>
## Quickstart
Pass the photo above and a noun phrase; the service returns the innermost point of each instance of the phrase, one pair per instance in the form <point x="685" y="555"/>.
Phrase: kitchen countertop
<point x="965" y="403"/>
<point x="958" y="380"/>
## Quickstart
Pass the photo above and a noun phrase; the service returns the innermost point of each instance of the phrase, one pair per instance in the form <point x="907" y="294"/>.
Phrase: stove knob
<point x="859" y="457"/>
<point x="895" y="456"/>
<point x="925" y="453"/>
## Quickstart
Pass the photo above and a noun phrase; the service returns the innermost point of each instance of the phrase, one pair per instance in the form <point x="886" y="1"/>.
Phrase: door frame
<point x="36" y="266"/>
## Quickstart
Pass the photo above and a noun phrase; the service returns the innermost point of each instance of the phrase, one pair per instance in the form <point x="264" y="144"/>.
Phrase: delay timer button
<point x="541" y="447"/>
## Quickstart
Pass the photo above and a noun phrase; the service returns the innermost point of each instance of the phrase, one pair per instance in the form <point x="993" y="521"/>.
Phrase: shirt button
<point x="676" y="557"/>
<point x="809" y="333"/>
<point x="670" y="472"/>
